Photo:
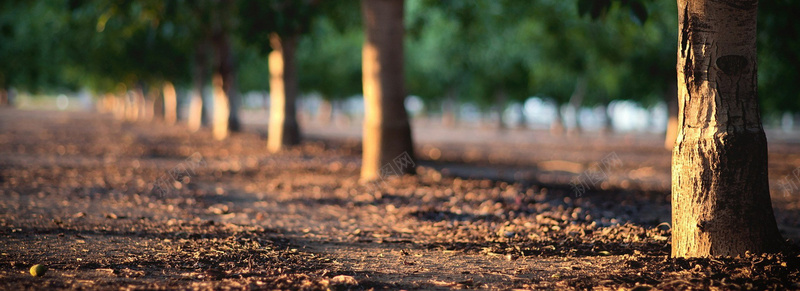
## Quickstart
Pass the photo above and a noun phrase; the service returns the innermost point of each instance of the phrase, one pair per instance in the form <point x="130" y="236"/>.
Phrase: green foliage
<point x="473" y="50"/>
<point x="778" y="56"/>
<point x="31" y="34"/>
<point x="329" y="59"/>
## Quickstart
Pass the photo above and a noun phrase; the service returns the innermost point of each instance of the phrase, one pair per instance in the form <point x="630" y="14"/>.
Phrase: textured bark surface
<point x="720" y="188"/>
<point x="387" y="134"/>
<point x="283" y="128"/>
<point x="671" y="97"/>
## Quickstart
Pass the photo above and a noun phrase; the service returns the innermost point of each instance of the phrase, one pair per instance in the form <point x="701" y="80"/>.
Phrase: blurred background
<point x="567" y="66"/>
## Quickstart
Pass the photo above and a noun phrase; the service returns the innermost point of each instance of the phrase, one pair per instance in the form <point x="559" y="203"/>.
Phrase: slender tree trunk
<point x="523" y="118"/>
<point x="557" y="126"/>
<point x="608" y="122"/>
<point x="170" y="104"/>
<point x="120" y="105"/>
<point x="720" y="186"/>
<point x="283" y="128"/>
<point x="575" y="102"/>
<point x="196" y="106"/>
<point x="227" y="69"/>
<point x="325" y="112"/>
<point x="221" y="111"/>
<point x="449" y="109"/>
<point x="500" y="103"/>
<point x="388" y="148"/>
<point x="4" y="97"/>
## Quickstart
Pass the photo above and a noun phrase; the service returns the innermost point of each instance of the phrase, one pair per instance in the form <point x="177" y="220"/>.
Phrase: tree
<point x="720" y="187"/>
<point x="283" y="128"/>
<point x="387" y="133"/>
<point x="225" y="67"/>
<point x="278" y="24"/>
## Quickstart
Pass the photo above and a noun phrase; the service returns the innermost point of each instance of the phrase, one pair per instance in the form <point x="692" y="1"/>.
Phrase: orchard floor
<point x="487" y="210"/>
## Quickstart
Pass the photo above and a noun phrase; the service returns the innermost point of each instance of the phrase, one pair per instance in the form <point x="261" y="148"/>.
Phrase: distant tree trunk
<point x="720" y="186"/>
<point x="387" y="133"/>
<point x="221" y="111"/>
<point x="557" y="125"/>
<point x="500" y="104"/>
<point x="575" y="102"/>
<point x="170" y="103"/>
<point x="608" y="121"/>
<point x="283" y="127"/>
<point x="325" y="112"/>
<point x="120" y="106"/>
<point x="149" y="104"/>
<point x="195" y="118"/>
<point x="4" y="97"/>
<point x="227" y="69"/>
<point x="671" y="97"/>
<point x="523" y="118"/>
<point x="449" y="108"/>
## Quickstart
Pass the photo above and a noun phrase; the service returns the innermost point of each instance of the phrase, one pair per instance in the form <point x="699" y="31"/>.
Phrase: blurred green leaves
<point x="475" y="51"/>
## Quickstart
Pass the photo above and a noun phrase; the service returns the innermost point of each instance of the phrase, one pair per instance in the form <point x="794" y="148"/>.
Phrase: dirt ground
<point x="489" y="213"/>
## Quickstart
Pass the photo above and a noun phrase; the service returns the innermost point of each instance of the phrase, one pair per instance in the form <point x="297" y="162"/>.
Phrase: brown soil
<point x="77" y="196"/>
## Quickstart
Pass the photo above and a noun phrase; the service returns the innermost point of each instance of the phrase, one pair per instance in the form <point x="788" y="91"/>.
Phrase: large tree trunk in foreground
<point x="720" y="187"/>
<point x="283" y="128"/>
<point x="388" y="148"/>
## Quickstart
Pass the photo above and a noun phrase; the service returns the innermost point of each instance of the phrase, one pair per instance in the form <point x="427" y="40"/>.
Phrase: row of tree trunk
<point x="720" y="188"/>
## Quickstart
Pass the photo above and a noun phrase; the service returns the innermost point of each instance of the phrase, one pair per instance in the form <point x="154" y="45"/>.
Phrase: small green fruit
<point x="38" y="270"/>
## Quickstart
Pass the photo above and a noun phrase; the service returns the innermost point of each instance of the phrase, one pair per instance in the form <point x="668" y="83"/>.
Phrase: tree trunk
<point x="221" y="110"/>
<point x="170" y="104"/>
<point x="325" y="112"/>
<point x="575" y="102"/>
<point x="608" y="121"/>
<point x="557" y="126"/>
<point x="500" y="103"/>
<point x="283" y="128"/>
<point x="4" y="97"/>
<point x="227" y="69"/>
<point x="671" y="97"/>
<point x="720" y="186"/>
<point x="449" y="109"/>
<point x="195" y="118"/>
<point x="388" y="148"/>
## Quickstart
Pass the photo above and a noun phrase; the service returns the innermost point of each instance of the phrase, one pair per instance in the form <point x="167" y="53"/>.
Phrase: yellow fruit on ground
<point x="38" y="270"/>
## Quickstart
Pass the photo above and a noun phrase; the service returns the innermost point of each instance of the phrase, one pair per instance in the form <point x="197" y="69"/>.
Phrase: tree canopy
<point x="474" y="51"/>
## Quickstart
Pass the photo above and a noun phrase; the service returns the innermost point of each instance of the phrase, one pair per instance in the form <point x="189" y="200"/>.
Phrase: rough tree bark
<point x="720" y="187"/>
<point x="671" y="97"/>
<point x="283" y="128"/>
<point x="387" y="133"/>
